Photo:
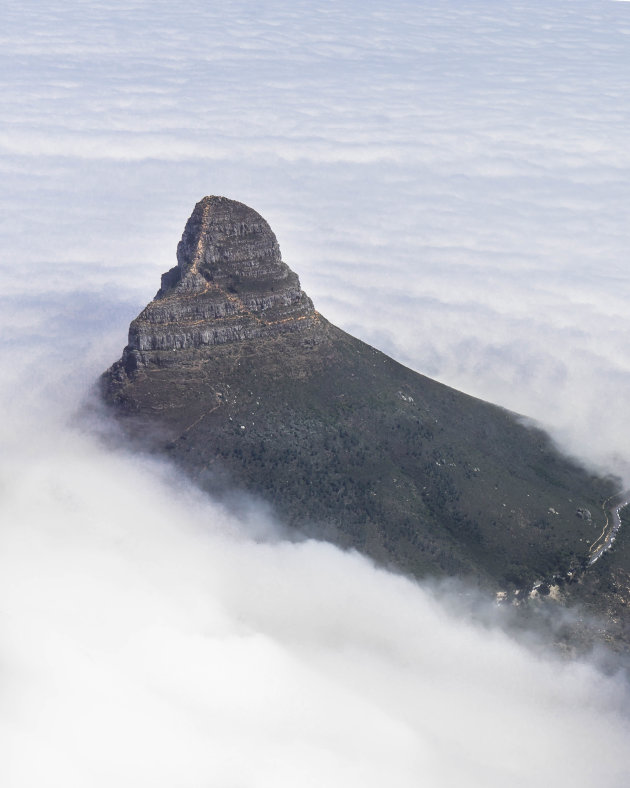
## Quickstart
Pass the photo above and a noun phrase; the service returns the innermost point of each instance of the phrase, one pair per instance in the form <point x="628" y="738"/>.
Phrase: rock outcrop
<point x="230" y="284"/>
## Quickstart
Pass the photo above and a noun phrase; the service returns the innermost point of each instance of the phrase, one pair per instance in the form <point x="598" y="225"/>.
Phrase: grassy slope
<point x="347" y="442"/>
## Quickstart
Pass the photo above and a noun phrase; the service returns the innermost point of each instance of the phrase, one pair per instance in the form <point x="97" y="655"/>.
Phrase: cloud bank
<point x="450" y="180"/>
<point x="149" y="637"/>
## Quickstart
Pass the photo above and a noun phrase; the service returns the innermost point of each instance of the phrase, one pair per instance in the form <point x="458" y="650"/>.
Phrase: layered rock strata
<point x="229" y="284"/>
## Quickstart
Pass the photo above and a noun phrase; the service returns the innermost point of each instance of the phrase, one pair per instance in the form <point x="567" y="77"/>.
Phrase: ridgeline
<point x="232" y="372"/>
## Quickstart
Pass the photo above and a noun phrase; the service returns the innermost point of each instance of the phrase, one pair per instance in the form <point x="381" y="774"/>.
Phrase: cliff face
<point x="229" y="284"/>
<point x="233" y="374"/>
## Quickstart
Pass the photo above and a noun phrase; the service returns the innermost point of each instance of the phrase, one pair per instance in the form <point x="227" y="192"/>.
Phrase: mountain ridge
<point x="232" y="372"/>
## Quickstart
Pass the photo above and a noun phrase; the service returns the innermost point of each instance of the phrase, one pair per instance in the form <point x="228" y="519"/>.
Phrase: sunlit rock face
<point x="230" y="284"/>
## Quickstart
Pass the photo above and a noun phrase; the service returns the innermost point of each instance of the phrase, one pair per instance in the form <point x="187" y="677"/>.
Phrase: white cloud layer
<point x="451" y="182"/>
<point x="148" y="639"/>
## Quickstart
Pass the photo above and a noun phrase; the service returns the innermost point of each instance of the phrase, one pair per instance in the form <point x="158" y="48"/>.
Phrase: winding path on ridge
<point x="604" y="541"/>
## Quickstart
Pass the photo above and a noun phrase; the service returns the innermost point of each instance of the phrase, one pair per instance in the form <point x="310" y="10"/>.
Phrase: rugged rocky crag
<point x="232" y="372"/>
<point x="230" y="284"/>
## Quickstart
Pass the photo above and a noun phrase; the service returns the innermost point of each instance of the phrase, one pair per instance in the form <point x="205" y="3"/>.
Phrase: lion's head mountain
<point x="232" y="372"/>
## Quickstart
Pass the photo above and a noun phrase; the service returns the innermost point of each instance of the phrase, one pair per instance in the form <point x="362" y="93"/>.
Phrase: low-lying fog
<point x="451" y="182"/>
<point x="151" y="637"/>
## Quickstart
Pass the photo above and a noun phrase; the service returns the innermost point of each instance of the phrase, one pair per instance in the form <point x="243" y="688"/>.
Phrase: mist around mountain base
<point x="451" y="182"/>
<point x="153" y="635"/>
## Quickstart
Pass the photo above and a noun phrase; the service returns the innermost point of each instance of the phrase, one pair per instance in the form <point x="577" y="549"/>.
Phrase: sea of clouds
<point x="451" y="182"/>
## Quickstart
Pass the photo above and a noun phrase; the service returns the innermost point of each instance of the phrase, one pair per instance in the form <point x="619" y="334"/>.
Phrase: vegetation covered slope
<point x="233" y="373"/>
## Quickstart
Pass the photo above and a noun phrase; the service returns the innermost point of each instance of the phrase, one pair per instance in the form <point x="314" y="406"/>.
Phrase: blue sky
<point x="451" y="182"/>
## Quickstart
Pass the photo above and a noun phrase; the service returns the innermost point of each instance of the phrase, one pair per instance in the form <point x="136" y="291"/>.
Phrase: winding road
<point x="604" y="541"/>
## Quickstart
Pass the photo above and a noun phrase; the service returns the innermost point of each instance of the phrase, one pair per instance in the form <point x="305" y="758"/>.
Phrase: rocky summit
<point x="229" y="285"/>
<point x="233" y="373"/>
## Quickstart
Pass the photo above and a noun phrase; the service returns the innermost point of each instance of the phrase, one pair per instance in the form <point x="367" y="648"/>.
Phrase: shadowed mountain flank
<point x="233" y="374"/>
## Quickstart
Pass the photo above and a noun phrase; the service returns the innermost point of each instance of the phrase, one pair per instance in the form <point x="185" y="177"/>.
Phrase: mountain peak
<point x="227" y="242"/>
<point x="229" y="284"/>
